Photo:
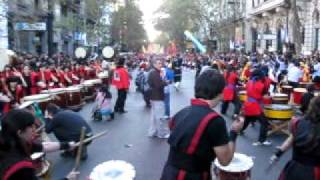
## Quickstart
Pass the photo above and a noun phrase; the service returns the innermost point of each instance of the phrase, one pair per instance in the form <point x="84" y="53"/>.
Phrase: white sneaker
<point x="164" y="137"/>
<point x="265" y="143"/>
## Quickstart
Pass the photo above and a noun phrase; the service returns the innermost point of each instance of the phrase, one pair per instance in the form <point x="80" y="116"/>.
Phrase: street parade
<point x="148" y="110"/>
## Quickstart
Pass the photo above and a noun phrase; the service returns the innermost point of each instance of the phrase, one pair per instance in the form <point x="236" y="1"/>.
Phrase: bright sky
<point x="148" y="7"/>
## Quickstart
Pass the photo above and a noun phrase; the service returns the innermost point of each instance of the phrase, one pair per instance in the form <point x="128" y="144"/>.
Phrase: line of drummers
<point x="261" y="94"/>
<point x="68" y="85"/>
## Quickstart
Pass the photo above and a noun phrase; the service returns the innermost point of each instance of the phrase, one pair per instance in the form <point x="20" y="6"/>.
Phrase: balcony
<point x="267" y="6"/>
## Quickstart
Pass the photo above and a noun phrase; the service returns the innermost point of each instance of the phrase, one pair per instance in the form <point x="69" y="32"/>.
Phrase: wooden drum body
<point x="298" y="94"/>
<point x="42" y="99"/>
<point x="286" y="89"/>
<point x="88" y="88"/>
<point x="279" y="98"/>
<point x="238" y="169"/>
<point x="242" y="96"/>
<point x="74" y="96"/>
<point x="59" y="95"/>
<point x="278" y="112"/>
<point x="40" y="164"/>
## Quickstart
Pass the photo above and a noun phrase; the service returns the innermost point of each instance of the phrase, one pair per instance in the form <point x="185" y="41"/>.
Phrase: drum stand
<point x="279" y="126"/>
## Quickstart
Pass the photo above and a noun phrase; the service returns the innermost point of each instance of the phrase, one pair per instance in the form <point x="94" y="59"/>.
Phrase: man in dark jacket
<point x="158" y="125"/>
<point x="66" y="126"/>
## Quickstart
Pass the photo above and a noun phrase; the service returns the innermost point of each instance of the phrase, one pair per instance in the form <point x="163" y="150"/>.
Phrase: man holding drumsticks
<point x="199" y="134"/>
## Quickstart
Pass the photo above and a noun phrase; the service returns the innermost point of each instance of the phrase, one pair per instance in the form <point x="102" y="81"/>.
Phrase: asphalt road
<point x="127" y="140"/>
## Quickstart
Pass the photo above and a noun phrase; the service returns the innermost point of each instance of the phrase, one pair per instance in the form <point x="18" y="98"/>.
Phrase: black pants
<point x="146" y="97"/>
<point x="122" y="96"/>
<point x="263" y="126"/>
<point x="236" y="103"/>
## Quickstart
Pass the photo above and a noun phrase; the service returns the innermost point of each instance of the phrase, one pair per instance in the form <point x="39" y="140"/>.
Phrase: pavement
<point x="127" y="140"/>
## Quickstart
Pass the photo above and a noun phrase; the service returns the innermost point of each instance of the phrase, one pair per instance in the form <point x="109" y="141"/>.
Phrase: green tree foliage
<point x="127" y="27"/>
<point x="179" y="15"/>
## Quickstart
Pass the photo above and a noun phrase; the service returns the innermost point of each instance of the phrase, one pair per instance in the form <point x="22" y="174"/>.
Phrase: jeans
<point x="122" y="96"/>
<point x="263" y="126"/>
<point x="167" y="104"/>
<point x="158" y="124"/>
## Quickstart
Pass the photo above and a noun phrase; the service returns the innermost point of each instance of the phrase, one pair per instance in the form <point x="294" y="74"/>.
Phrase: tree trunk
<point x="294" y="26"/>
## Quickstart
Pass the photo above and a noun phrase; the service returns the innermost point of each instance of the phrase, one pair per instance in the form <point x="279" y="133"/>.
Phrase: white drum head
<point x="107" y="52"/>
<point x="242" y="92"/>
<point x="113" y="170"/>
<point x="36" y="155"/>
<point x="80" y="52"/>
<point x="37" y="98"/>
<point x="239" y="163"/>
<point x="301" y="90"/>
<point x="26" y="104"/>
<point x="280" y="95"/>
<point x="279" y="107"/>
<point x="54" y="91"/>
<point x="104" y="74"/>
<point x="73" y="89"/>
<point x="88" y="83"/>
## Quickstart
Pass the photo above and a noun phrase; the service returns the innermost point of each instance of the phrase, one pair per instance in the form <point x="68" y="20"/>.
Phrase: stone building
<point x="268" y="29"/>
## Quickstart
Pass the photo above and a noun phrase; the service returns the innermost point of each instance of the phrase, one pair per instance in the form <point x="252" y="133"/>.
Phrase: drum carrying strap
<point x="195" y="142"/>
<point x="16" y="167"/>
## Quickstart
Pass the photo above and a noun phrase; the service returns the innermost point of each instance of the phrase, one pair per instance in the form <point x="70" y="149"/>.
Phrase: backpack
<point x="145" y="85"/>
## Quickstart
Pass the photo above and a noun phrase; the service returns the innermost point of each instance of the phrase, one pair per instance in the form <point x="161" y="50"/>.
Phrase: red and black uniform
<point x="305" y="162"/>
<point x="15" y="165"/>
<point x="230" y="93"/>
<point x="253" y="107"/>
<point x="34" y="82"/>
<point x="195" y="130"/>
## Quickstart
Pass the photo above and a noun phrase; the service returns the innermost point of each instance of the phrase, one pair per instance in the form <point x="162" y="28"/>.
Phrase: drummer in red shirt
<point x="253" y="106"/>
<point x="229" y="92"/>
<point x="16" y="90"/>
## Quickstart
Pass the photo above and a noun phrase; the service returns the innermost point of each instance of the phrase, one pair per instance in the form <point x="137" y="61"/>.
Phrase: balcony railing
<point x="267" y="6"/>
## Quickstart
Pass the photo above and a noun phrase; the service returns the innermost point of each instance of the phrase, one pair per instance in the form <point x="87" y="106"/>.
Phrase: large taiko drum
<point x="59" y="95"/>
<point x="286" y="89"/>
<point x="74" y="96"/>
<point x="238" y="169"/>
<point x="298" y="94"/>
<point x="242" y="96"/>
<point x="40" y="164"/>
<point x="42" y="99"/>
<point x="113" y="170"/>
<point x="278" y="112"/>
<point x="279" y="98"/>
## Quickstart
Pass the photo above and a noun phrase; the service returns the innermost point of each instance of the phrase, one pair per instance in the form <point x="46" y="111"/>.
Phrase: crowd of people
<point x="196" y="134"/>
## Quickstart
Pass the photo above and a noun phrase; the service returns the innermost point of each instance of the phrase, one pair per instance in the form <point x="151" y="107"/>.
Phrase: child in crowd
<point x="103" y="108"/>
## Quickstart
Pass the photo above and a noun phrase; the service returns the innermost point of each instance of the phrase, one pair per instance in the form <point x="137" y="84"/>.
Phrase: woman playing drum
<point x="16" y="146"/>
<point x="305" y="140"/>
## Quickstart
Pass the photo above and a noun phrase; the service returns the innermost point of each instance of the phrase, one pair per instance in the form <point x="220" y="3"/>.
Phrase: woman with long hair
<point x="305" y="141"/>
<point x="17" y="144"/>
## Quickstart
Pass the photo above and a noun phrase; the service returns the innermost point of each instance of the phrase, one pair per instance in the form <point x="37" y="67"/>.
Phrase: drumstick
<point x="79" y="152"/>
<point x="93" y="137"/>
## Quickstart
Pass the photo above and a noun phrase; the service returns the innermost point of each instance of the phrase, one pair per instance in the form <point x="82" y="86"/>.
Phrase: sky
<point x="148" y="7"/>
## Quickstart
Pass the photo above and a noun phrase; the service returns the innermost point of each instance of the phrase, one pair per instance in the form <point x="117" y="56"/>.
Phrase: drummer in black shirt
<point x="199" y="134"/>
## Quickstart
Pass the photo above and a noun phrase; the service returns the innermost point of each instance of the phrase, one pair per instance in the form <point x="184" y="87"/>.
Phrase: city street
<point x="127" y="140"/>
